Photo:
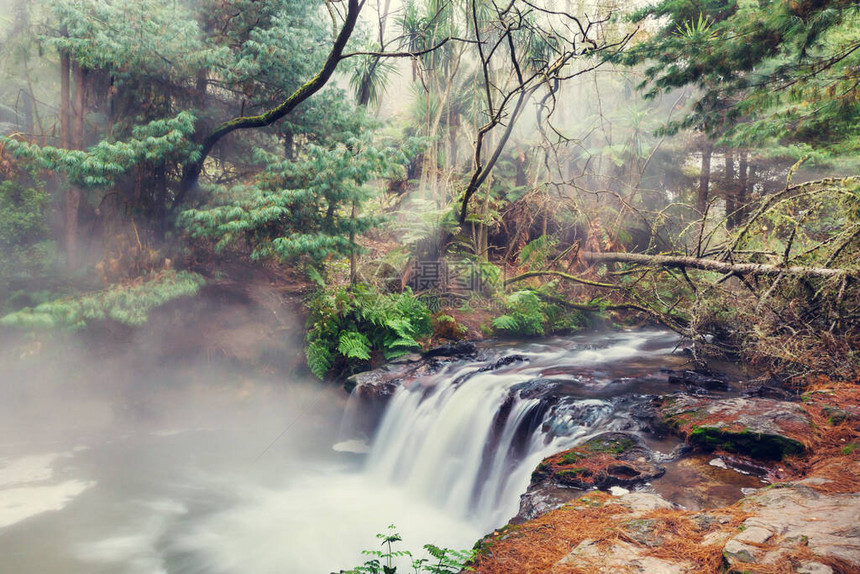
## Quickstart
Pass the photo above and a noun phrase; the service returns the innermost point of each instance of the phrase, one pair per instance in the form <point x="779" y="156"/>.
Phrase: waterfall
<point x="468" y="438"/>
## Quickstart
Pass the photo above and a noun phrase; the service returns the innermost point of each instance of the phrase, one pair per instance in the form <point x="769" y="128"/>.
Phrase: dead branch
<point x="683" y="261"/>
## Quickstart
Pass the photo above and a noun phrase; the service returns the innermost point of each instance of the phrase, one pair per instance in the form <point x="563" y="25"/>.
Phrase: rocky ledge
<point x="791" y="528"/>
<point x="607" y="460"/>
<point x="381" y="382"/>
<point x="808" y="523"/>
<point x="764" y="429"/>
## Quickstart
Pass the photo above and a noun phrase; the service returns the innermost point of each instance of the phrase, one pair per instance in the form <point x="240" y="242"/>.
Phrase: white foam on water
<point x="135" y="549"/>
<point x="31" y="468"/>
<point x="26" y="490"/>
<point x="20" y="503"/>
<point x="317" y="524"/>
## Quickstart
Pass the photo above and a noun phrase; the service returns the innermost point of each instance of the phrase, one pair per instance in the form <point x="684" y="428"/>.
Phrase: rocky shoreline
<point x="599" y="507"/>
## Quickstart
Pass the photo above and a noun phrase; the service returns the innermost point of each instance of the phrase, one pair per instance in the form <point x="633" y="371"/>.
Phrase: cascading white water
<point x="449" y="442"/>
<point x="432" y="441"/>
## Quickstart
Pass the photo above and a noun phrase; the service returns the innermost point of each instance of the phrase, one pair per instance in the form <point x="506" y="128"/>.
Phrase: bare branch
<point x="754" y="269"/>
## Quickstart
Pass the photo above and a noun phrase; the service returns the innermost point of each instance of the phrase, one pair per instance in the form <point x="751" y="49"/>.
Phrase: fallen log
<point x="685" y="261"/>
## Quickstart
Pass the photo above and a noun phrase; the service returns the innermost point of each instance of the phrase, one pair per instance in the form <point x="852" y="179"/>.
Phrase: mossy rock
<point x="763" y="429"/>
<point x="609" y="459"/>
<point x="755" y="445"/>
<point x="610" y="443"/>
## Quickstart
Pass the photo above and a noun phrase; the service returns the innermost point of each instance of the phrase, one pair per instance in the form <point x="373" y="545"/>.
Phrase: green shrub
<point x="127" y="304"/>
<point x="347" y="326"/>
<point x="529" y="314"/>
<point x="24" y="249"/>
<point x="525" y="314"/>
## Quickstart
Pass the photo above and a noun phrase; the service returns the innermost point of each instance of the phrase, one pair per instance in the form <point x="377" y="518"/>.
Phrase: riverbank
<point x="805" y="520"/>
<point x="759" y="479"/>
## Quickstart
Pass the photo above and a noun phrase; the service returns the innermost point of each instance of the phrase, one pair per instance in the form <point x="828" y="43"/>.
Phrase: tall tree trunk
<point x="289" y="145"/>
<point x="704" y="178"/>
<point x="65" y="102"/>
<point x="730" y="188"/>
<point x="72" y="197"/>
<point x="743" y="179"/>
<point x="73" y="192"/>
<point x="80" y="97"/>
<point x="353" y="256"/>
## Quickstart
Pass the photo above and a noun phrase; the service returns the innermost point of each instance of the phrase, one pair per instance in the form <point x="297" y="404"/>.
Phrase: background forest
<point x="440" y="169"/>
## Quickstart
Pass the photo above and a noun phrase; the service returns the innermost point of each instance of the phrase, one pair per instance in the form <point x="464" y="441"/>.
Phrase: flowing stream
<point x="223" y="479"/>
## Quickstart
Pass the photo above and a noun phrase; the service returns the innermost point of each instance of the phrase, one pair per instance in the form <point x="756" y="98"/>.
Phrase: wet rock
<point x="498" y="364"/>
<point x="537" y="389"/>
<point x="458" y="350"/>
<point x="503" y="362"/>
<point x="694" y="380"/>
<point x="768" y="392"/>
<point x="609" y="459"/>
<point x="542" y="499"/>
<point x="389" y="376"/>
<point x="386" y="375"/>
<point x="701" y="481"/>
<point x="797" y="517"/>
<point x="763" y="429"/>
<point x="835" y="415"/>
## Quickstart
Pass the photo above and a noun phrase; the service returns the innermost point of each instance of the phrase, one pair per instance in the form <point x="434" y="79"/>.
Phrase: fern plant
<point x="528" y="313"/>
<point x="525" y="314"/>
<point x="441" y="561"/>
<point x="348" y="326"/>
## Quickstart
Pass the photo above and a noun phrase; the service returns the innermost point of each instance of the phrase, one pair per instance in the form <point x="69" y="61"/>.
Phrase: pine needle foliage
<point x="102" y="164"/>
<point x="126" y="304"/>
<point x="347" y="327"/>
<point x="301" y="208"/>
<point x="771" y="74"/>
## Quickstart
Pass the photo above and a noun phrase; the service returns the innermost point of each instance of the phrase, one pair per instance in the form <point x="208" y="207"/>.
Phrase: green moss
<point x="609" y="445"/>
<point x="835" y="416"/>
<point x="849" y="448"/>
<point x="571" y="457"/>
<point x="756" y="445"/>
<point x="588" y="502"/>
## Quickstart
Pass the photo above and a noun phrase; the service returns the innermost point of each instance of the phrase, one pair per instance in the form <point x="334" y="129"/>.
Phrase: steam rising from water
<point x="174" y="482"/>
